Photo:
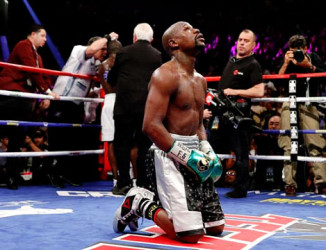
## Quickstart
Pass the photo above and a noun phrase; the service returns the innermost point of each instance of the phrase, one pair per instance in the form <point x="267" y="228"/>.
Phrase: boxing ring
<point x="294" y="131"/>
<point x="292" y="99"/>
<point x="102" y="151"/>
<point x="80" y="217"/>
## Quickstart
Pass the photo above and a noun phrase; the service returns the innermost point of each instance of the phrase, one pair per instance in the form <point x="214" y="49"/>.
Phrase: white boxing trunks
<point x="191" y="205"/>
<point x="107" y="121"/>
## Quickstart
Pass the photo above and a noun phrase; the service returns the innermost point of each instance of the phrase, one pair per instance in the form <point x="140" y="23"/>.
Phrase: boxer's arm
<point x="161" y="87"/>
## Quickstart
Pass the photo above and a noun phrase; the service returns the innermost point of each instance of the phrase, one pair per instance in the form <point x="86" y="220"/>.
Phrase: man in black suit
<point x="130" y="74"/>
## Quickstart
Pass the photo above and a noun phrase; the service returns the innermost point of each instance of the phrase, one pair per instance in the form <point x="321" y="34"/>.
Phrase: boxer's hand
<point x="217" y="169"/>
<point x="111" y="36"/>
<point x="195" y="161"/>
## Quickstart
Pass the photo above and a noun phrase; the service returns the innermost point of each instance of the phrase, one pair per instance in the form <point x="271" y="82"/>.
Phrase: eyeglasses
<point x="230" y="173"/>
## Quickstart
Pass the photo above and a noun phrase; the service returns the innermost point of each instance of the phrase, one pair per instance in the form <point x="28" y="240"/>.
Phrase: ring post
<point x="293" y="118"/>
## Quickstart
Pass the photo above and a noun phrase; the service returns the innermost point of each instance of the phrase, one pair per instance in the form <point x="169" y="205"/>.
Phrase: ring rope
<point x="46" y="71"/>
<point x="101" y="151"/>
<point x="287" y="131"/>
<point x="286" y="99"/>
<point x="47" y="124"/>
<point x="42" y="96"/>
<point x="321" y="99"/>
<point x="274" y="76"/>
<point x="276" y="157"/>
<point x="209" y="78"/>
<point x="51" y="153"/>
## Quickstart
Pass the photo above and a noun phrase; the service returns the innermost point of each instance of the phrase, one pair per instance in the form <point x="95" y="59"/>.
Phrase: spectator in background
<point x="4" y="140"/>
<point x="21" y="109"/>
<point x="240" y="81"/>
<point x="107" y="120"/>
<point x="298" y="60"/>
<point x="266" y="114"/>
<point x="230" y="177"/>
<point x="82" y="60"/>
<point x="42" y="168"/>
<point x="25" y="53"/>
<point x="130" y="76"/>
<point x="228" y="164"/>
<point x="257" y="111"/>
<point x="268" y="174"/>
<point x="262" y="110"/>
<point x="310" y="180"/>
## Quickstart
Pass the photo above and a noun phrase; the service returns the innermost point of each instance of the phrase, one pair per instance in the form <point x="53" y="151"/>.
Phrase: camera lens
<point x="298" y="55"/>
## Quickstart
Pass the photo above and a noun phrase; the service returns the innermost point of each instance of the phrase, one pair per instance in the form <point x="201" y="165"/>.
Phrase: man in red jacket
<point x="25" y="53"/>
<point x="21" y="109"/>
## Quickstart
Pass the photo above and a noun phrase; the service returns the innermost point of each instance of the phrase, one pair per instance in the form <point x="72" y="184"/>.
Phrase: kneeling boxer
<point x="183" y="200"/>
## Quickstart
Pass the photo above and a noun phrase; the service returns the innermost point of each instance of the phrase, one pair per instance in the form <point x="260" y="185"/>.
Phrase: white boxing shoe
<point x="128" y="213"/>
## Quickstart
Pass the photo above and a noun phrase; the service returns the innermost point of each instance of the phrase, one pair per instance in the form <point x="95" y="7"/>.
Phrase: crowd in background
<point x="269" y="51"/>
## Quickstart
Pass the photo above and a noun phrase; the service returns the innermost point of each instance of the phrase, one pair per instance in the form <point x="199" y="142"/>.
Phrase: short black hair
<point x="35" y="28"/>
<point x="297" y="41"/>
<point x="114" y="46"/>
<point x="2" y="136"/>
<point x="269" y="116"/>
<point x="40" y="133"/>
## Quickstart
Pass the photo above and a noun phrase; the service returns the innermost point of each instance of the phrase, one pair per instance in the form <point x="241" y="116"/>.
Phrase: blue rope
<point x="4" y="48"/>
<point x="304" y="131"/>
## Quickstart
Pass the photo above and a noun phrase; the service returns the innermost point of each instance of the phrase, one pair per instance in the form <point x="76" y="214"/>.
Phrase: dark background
<point x="72" y="22"/>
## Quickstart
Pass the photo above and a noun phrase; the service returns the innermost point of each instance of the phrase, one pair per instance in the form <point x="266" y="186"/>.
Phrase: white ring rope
<point x="276" y="157"/>
<point x="51" y="153"/>
<point x="101" y="151"/>
<point x="42" y="96"/>
<point x="321" y="99"/>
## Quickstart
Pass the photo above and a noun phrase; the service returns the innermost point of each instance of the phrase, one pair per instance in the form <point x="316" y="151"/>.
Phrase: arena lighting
<point x="3" y="17"/>
<point x="212" y="45"/>
<point x="3" y="29"/>
<point x="53" y="48"/>
<point x="259" y="48"/>
<point x="4" y="48"/>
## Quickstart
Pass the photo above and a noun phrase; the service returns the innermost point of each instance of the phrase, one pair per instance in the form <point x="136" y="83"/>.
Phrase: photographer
<point x="240" y="81"/>
<point x="42" y="167"/>
<point x="297" y="60"/>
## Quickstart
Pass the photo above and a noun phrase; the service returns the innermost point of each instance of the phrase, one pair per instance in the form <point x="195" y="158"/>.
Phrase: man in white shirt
<point x="82" y="60"/>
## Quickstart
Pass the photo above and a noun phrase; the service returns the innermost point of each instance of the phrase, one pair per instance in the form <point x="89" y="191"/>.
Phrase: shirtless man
<point x="184" y="202"/>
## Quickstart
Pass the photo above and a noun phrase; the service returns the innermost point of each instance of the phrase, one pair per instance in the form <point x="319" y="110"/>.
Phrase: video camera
<point x="234" y="110"/>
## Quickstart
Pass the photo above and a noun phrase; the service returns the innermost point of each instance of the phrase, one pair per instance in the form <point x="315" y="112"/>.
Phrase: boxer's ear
<point x="173" y="44"/>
